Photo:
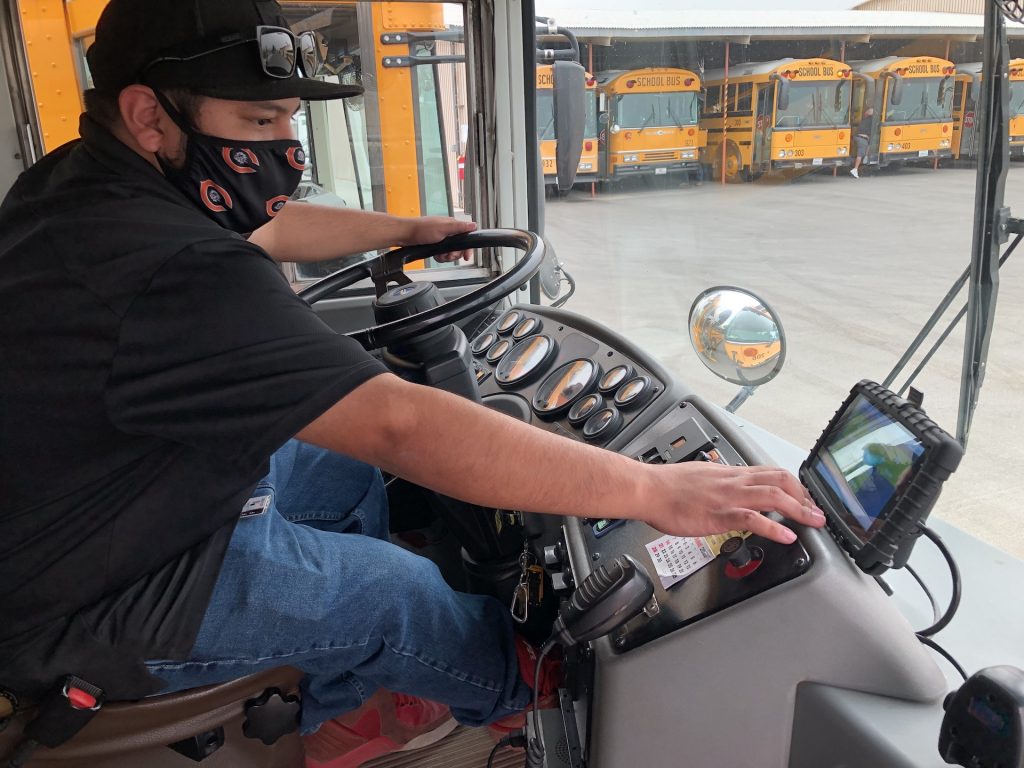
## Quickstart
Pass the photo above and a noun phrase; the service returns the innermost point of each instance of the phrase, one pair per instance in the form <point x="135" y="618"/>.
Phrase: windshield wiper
<point x="646" y="120"/>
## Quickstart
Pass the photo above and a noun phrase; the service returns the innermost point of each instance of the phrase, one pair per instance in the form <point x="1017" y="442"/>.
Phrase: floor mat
<point x="464" y="748"/>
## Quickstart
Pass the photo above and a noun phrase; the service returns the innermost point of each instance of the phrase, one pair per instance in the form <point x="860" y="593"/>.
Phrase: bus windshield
<point x="1016" y="98"/>
<point x="545" y="115"/>
<point x="923" y="98"/>
<point x="640" y="110"/>
<point x="590" y="130"/>
<point x="816" y="105"/>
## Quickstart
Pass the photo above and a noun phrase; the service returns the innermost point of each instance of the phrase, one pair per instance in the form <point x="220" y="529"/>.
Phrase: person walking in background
<point x="861" y="137"/>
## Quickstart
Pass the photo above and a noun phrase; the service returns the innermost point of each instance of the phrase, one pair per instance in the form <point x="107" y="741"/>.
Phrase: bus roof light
<point x="688" y="82"/>
<point x="630" y="83"/>
<point x="591" y="82"/>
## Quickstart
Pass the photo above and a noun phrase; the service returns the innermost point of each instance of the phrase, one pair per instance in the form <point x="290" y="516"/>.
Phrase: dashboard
<point x="747" y="626"/>
<point x="565" y="374"/>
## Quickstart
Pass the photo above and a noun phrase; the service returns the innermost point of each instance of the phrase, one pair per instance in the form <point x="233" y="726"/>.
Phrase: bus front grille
<point x="658" y="157"/>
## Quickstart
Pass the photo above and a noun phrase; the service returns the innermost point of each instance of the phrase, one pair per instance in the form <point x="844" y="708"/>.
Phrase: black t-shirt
<point x="866" y="125"/>
<point x="151" y="364"/>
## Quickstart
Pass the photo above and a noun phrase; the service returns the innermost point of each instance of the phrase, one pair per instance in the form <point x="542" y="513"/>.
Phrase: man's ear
<point x="144" y="118"/>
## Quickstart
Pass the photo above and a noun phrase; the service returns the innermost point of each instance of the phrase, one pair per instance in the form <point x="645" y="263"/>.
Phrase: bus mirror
<point x="616" y="128"/>
<point x="570" y="120"/>
<point x="782" y="99"/>
<point x="896" y="93"/>
<point x="737" y="336"/>
<point x="940" y="99"/>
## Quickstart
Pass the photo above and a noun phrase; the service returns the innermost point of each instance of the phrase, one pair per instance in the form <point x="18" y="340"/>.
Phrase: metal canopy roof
<point x="592" y="24"/>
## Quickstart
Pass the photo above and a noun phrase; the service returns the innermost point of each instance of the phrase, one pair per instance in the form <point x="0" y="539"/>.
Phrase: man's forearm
<point x="446" y="443"/>
<point x="306" y="232"/>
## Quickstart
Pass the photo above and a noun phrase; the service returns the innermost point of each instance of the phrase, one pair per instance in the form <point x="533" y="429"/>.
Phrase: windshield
<point x="815" y="105"/>
<point x="590" y="131"/>
<point x="852" y="267"/>
<point x="641" y="110"/>
<point x="545" y="115"/>
<point x="922" y="98"/>
<point x="1016" y="98"/>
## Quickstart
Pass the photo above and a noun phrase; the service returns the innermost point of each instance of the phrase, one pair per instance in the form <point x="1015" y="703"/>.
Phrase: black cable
<point x="572" y="288"/>
<point x="494" y="750"/>
<point x="954" y="572"/>
<point x="936" y="614"/>
<point x="535" y="749"/>
<point x="942" y="652"/>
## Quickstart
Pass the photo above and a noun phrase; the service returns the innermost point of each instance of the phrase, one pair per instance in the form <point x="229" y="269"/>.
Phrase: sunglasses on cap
<point x="280" y="51"/>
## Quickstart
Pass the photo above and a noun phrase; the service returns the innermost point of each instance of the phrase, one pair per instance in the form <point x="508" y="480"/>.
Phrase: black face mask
<point x="239" y="184"/>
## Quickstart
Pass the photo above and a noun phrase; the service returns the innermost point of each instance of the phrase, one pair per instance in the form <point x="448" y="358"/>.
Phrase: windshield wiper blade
<point x="646" y="120"/>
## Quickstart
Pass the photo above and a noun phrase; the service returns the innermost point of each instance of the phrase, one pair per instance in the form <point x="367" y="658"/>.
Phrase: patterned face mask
<point x="239" y="184"/>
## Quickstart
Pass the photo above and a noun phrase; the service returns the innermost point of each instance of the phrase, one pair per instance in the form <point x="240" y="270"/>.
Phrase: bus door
<point x="764" y="120"/>
<point x="963" y="118"/>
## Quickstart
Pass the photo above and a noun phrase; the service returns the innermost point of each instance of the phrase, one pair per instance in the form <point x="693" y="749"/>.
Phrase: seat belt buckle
<point x="81" y="694"/>
<point x="66" y="711"/>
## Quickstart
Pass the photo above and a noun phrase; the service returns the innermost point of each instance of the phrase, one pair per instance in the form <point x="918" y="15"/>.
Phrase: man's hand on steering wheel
<point x="433" y="229"/>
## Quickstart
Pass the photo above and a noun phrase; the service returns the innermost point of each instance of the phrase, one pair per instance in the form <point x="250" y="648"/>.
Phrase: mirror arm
<point x="741" y="397"/>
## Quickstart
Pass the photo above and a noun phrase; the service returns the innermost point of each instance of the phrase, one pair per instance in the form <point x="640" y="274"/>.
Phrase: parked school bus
<point x="965" y="109"/>
<point x="766" y="116"/>
<point x="587" y="170"/>
<point x="651" y="118"/>
<point x="913" y="103"/>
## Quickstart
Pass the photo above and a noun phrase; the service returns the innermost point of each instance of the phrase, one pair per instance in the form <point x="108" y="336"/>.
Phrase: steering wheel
<point x="389" y="267"/>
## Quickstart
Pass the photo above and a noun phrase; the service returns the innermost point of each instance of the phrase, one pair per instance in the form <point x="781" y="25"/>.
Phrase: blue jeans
<point x="310" y="580"/>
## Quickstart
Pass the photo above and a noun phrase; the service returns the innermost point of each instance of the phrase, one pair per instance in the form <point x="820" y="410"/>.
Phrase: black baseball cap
<point x="133" y="34"/>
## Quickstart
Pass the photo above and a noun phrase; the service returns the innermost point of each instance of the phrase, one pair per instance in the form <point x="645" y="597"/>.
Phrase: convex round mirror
<point x="737" y="336"/>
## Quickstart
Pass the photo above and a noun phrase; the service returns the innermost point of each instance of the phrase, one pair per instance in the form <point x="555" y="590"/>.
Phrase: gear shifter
<point x="607" y="598"/>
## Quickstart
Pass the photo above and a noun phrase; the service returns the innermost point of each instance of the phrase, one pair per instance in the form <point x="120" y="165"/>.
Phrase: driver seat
<point x="243" y="722"/>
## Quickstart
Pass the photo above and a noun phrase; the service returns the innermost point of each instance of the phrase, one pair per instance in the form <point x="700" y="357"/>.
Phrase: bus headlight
<point x="890" y="147"/>
<point x="943" y="142"/>
<point x="842" y="150"/>
<point x="689" y="155"/>
<point x="789" y="153"/>
<point x="782" y="153"/>
<point x="629" y="159"/>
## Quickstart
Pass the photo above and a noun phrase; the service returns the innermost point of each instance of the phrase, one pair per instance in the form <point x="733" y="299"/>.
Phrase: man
<point x="160" y="529"/>
<point x="861" y="138"/>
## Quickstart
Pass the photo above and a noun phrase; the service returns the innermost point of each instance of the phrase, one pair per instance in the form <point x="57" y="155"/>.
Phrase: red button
<point x="80" y="699"/>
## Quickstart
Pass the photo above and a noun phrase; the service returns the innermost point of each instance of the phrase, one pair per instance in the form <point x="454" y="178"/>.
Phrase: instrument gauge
<point x="483" y="343"/>
<point x="526" y="327"/>
<point x="614" y="378"/>
<point x="527" y="359"/>
<point x="495" y="353"/>
<point x="602" y="424"/>
<point x="633" y="392"/>
<point x="584" y="408"/>
<point x="563" y="387"/>
<point x="509" y="321"/>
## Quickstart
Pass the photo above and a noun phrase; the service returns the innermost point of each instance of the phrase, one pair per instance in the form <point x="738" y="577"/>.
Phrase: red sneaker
<point x="387" y="722"/>
<point x="546" y="693"/>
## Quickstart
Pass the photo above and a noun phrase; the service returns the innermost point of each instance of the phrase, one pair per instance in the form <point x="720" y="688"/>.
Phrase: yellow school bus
<point x="913" y="102"/>
<point x="766" y="116"/>
<point x="587" y="169"/>
<point x="359" y="148"/>
<point x="965" y="98"/>
<point x="651" y="122"/>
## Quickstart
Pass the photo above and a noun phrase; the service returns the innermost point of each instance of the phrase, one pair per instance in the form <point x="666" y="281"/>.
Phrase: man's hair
<point x="102" y="106"/>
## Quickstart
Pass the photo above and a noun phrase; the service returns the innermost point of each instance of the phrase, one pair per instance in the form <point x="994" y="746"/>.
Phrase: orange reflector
<point x="690" y="132"/>
<point x="789" y="137"/>
<point x="628" y="135"/>
<point x="898" y="132"/>
<point x="945" y="129"/>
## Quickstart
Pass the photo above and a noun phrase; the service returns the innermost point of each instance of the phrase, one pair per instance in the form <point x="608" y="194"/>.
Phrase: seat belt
<point x="62" y="714"/>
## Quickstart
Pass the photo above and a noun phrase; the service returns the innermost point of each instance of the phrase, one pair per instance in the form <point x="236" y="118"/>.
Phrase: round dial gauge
<point x="633" y="392"/>
<point x="614" y="378"/>
<point x="559" y="390"/>
<point x="527" y="327"/>
<point x="483" y="343"/>
<point x="584" y="408"/>
<point x="509" y="321"/>
<point x="495" y="353"/>
<point x="602" y="424"/>
<point x="527" y="359"/>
